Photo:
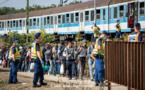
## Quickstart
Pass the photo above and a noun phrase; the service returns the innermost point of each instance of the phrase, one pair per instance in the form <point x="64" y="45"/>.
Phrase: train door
<point x="132" y="14"/>
<point x="55" y="23"/>
<point x="81" y="21"/>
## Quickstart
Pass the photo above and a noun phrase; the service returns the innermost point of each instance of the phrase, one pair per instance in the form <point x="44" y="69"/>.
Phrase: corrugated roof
<point x="74" y="7"/>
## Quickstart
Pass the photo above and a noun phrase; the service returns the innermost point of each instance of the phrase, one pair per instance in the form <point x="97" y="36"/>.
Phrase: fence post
<point x="109" y="85"/>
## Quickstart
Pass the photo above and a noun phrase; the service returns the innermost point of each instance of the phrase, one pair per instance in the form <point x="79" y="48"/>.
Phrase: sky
<point x="22" y="3"/>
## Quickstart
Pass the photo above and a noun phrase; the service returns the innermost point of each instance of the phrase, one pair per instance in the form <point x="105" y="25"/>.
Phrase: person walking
<point x="82" y="53"/>
<point x="14" y="56"/>
<point x="118" y="29"/>
<point x="36" y="55"/>
<point x="90" y="59"/>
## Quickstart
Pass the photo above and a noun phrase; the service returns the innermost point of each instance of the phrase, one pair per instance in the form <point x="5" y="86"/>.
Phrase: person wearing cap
<point x="14" y="56"/>
<point x="82" y="53"/>
<point x="98" y="53"/>
<point x="118" y="29"/>
<point x="136" y="36"/>
<point x="90" y="59"/>
<point x="36" y="56"/>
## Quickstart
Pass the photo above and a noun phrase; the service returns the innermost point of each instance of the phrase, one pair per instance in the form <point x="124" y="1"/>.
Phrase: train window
<point x="72" y="18"/>
<point x="110" y="12"/>
<point x="13" y="23"/>
<point x="115" y="13"/>
<point x="51" y="20"/>
<point x="48" y="20"/>
<point x="2" y="25"/>
<point x="104" y="13"/>
<point x="34" y="22"/>
<point x="142" y="9"/>
<point x="63" y="19"/>
<point x="44" y="21"/>
<point x="87" y="16"/>
<point x="121" y="12"/>
<point x="37" y="21"/>
<point x="16" y="23"/>
<point x="30" y="22"/>
<point x="98" y="14"/>
<point x="76" y="17"/>
<point x="23" y="23"/>
<point x="20" y="23"/>
<point x="59" y="19"/>
<point x="67" y="18"/>
<point x="126" y="11"/>
<point x="92" y="15"/>
<point x="8" y="24"/>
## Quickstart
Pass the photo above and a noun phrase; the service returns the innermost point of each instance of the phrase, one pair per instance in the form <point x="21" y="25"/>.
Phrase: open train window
<point x="51" y="20"/>
<point x="59" y="19"/>
<point x="92" y="15"/>
<point x="37" y="21"/>
<point x="13" y="23"/>
<point x="34" y="22"/>
<point x="20" y="23"/>
<point x="48" y="20"/>
<point x="16" y="23"/>
<point x="72" y="18"/>
<point x="30" y="22"/>
<point x="8" y="24"/>
<point x="104" y="14"/>
<point x="142" y="8"/>
<point x="87" y="16"/>
<point x="63" y="19"/>
<point x="115" y="13"/>
<point x="76" y="17"/>
<point x="121" y="12"/>
<point x="98" y="14"/>
<point x="67" y="18"/>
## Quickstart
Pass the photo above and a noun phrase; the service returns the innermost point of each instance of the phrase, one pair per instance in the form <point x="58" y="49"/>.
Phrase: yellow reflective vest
<point x="17" y="54"/>
<point x="96" y="50"/>
<point x="118" y="27"/>
<point x="34" y="52"/>
<point x="133" y="37"/>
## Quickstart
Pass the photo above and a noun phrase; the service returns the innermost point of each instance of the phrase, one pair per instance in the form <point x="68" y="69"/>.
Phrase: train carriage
<point x="69" y="20"/>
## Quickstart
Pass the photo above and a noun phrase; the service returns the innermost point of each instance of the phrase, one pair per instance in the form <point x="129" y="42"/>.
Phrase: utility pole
<point x="94" y="12"/>
<point x="27" y="21"/>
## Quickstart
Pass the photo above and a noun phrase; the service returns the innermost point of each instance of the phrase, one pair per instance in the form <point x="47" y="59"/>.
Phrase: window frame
<point x="11" y="24"/>
<point x="45" y="21"/>
<point x="51" y="18"/>
<point x="98" y="14"/>
<point x="92" y="15"/>
<point x="34" y="22"/>
<point x="67" y="18"/>
<point x="126" y="11"/>
<point x="116" y="13"/>
<point x="38" y="21"/>
<point x="14" y="23"/>
<point x="30" y="23"/>
<point x="77" y="17"/>
<point x="48" y="20"/>
<point x="141" y="15"/>
<point x="87" y="16"/>
<point x="121" y="11"/>
<point x="8" y="24"/>
<point x="20" y="23"/>
<point x="63" y="19"/>
<point x="72" y="18"/>
<point x="59" y="19"/>
<point x="103" y="14"/>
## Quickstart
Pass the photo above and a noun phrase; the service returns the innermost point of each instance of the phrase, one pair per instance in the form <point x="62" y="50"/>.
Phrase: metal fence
<point x="125" y="64"/>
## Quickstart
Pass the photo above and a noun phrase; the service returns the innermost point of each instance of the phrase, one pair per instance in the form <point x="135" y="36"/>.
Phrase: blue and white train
<point x="68" y="20"/>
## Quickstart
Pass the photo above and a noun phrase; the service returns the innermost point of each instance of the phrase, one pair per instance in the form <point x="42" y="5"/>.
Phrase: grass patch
<point x="3" y="82"/>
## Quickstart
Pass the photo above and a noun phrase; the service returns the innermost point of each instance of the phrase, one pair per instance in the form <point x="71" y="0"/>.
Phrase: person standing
<point x="36" y="55"/>
<point x="98" y="53"/>
<point x="14" y="56"/>
<point x="118" y="29"/>
<point x="90" y="59"/>
<point x="55" y="58"/>
<point x="70" y="53"/>
<point x="136" y="36"/>
<point x="82" y="53"/>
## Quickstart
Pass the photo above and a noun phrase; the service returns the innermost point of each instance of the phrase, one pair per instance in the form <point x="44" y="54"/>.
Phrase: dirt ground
<point x="26" y="84"/>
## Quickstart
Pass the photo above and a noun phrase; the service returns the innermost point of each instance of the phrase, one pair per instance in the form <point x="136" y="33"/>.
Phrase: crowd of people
<point x="67" y="60"/>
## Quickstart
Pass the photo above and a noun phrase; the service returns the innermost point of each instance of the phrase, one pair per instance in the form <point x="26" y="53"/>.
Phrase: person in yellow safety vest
<point x="36" y="56"/>
<point x="136" y="36"/>
<point x="98" y="53"/>
<point x="14" y="56"/>
<point x="118" y="29"/>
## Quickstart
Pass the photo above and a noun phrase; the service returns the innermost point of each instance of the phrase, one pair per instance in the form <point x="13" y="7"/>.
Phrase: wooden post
<point x="109" y="85"/>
